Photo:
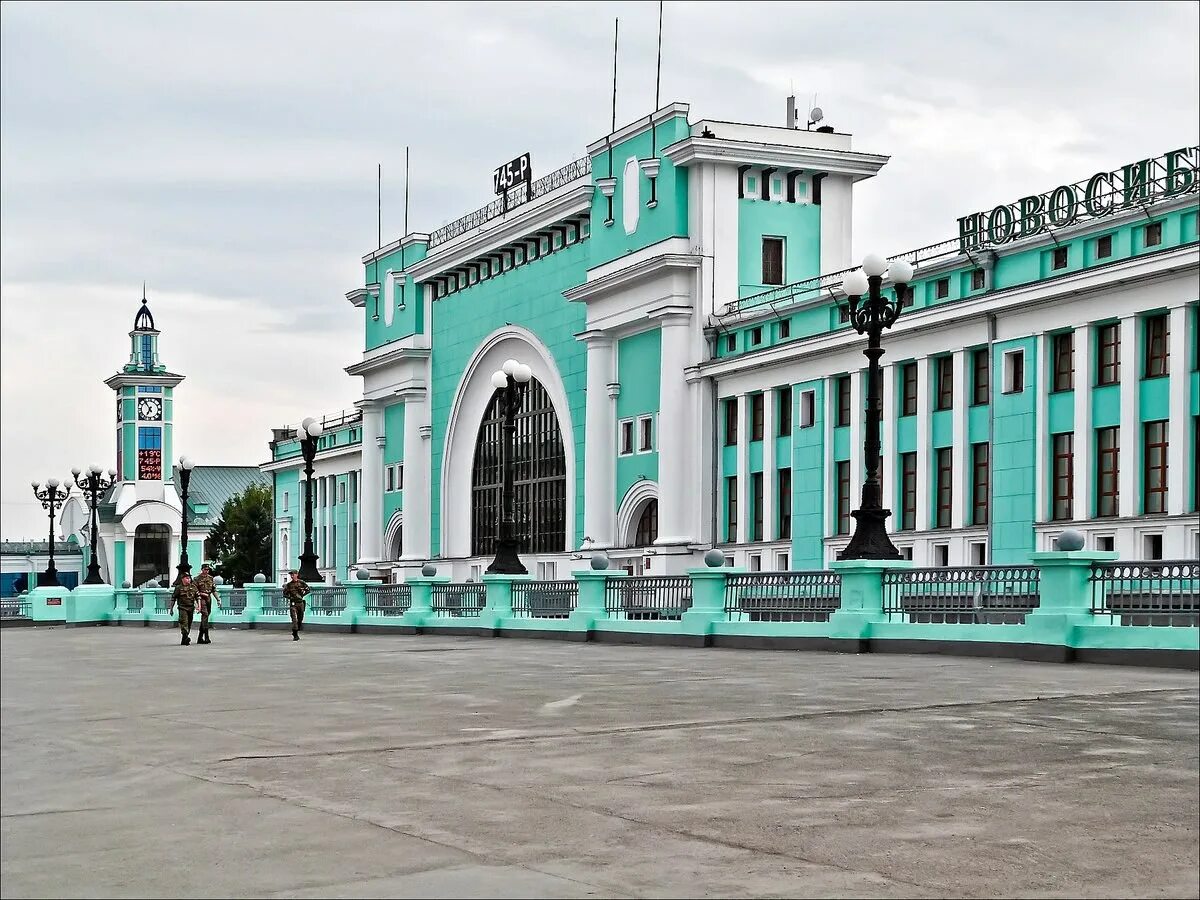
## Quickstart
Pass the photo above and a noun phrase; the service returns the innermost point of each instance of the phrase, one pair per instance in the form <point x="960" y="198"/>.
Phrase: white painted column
<point x="1084" y="433"/>
<point x="1129" y="476"/>
<point x="924" y="459"/>
<point x="1178" y="429"/>
<point x="770" y="398"/>
<point x="743" y="468"/>
<point x="857" y="461"/>
<point x="1041" y="440"/>
<point x="370" y="510"/>
<point x="958" y="447"/>
<point x="417" y="479"/>
<point x="887" y="433"/>
<point x="599" y="448"/>
<point x="828" y="415"/>
<point x="836" y="220"/>
<point x="676" y="431"/>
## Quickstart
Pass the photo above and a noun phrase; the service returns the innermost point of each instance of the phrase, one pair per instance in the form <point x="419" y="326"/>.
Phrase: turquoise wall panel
<point x="1014" y="458"/>
<point x="799" y="224"/>
<point x="1154" y="401"/>
<point x="783" y="446"/>
<point x="1194" y="390"/>
<point x="1106" y="406"/>
<point x="405" y="321"/>
<point x="941" y="428"/>
<point x="1060" y="411"/>
<point x="117" y="575"/>
<point x="756" y="456"/>
<point x="729" y="460"/>
<point x="639" y="369"/>
<point x="841" y="443"/>
<point x="906" y="434"/>
<point x="808" y="489"/>
<point x="393" y="430"/>
<point x="978" y="424"/>
<point x="632" y="469"/>
<point x="129" y="451"/>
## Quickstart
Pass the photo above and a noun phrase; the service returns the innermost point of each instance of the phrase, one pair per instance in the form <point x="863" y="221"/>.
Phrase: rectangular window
<point x="908" y="375"/>
<point x="1064" y="361"/>
<point x="843" y="498"/>
<point x="978" y="553"/>
<point x="1158" y="335"/>
<point x="1060" y="258"/>
<point x="945" y="382"/>
<point x="941" y="289"/>
<point x="843" y="401"/>
<point x="980" y="365"/>
<point x="980" y="483"/>
<point x="772" y="260"/>
<point x="1014" y="371"/>
<point x="784" y="503"/>
<point x="977" y="280"/>
<point x="908" y="490"/>
<point x="389" y="479"/>
<point x="731" y="508"/>
<point x="945" y="486"/>
<point x="731" y="421"/>
<point x="755" y="562"/>
<point x="1104" y="247"/>
<point x="941" y="555"/>
<point x="1152" y="234"/>
<point x="285" y="501"/>
<point x="341" y="492"/>
<point x="1063" y="474"/>
<point x="1108" y="354"/>
<point x="1154" y="467"/>
<point x="784" y="411"/>
<point x="781" y="561"/>
<point x="626" y="438"/>
<point x="645" y="434"/>
<point x="1105" y="542"/>
<point x="1152" y="546"/>
<point x="756" y="336"/>
<point x="757" y="404"/>
<point x="905" y="552"/>
<point x="730" y="343"/>
<point x="400" y="477"/>
<point x="808" y="409"/>
<point x="785" y="329"/>
<point x="1108" y="452"/>
<point x="756" y="489"/>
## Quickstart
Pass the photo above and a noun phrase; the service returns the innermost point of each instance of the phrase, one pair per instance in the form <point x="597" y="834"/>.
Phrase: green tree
<point x="240" y="541"/>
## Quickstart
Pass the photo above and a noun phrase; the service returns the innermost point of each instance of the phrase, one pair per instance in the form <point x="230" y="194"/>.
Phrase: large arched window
<point x="151" y="553"/>
<point x="540" y="476"/>
<point x="647" y="527"/>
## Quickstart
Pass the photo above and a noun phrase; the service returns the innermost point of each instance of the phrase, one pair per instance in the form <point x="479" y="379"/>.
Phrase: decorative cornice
<point x="394" y="355"/>
<point x="837" y="162"/>
<point x="622" y="278"/>
<point x="614" y="389"/>
<point x="637" y="126"/>
<point x="595" y="338"/>
<point x="674" y="313"/>
<point x="426" y="431"/>
<point x="125" y="379"/>
<point x="416" y="237"/>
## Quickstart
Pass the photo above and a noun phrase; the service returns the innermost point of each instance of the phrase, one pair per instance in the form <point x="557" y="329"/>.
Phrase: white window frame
<point x="1010" y="371"/>
<point x="341" y="492"/>
<point x="637" y="434"/>
<point x="781" y="561"/>
<point x="399" y="476"/>
<point x="972" y="549"/>
<point x="389" y="479"/>
<point x="1104" y="535"/>
<point x="755" y="562"/>
<point x="285" y="501"/>
<point x="808" y="408"/>
<point x="1146" y="538"/>
<point x="935" y="549"/>
<point x="782" y="258"/>
<point x="621" y="425"/>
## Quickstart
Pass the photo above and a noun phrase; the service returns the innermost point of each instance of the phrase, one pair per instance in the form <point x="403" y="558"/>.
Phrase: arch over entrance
<point x="151" y="553"/>
<point x="539" y="476"/>
<point x="393" y="536"/>
<point x="472" y="401"/>
<point x="637" y="518"/>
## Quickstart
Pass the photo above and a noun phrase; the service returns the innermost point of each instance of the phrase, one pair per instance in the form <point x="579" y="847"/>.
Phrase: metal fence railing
<point x="545" y="599"/>
<point x="327" y="601"/>
<point x="648" y="597"/>
<point x="1162" y="592"/>
<point x="233" y="600"/>
<point x="12" y="608"/>
<point x="273" y="603"/>
<point x="162" y="601"/>
<point x="981" y="595"/>
<point x="458" y="600"/>
<point x="135" y="602"/>
<point x="782" y="596"/>
<point x="389" y="599"/>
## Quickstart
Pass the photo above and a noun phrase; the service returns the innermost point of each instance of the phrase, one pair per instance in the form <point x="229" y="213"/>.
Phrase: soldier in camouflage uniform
<point x="207" y="589"/>
<point x="294" y="592"/>
<point x="187" y="597"/>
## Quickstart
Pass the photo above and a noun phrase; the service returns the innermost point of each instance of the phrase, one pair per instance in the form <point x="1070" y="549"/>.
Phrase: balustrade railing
<point x="782" y="596"/>
<point x="135" y="602"/>
<point x="12" y="608"/>
<point x="327" y="601"/>
<point x="979" y="595"/>
<point x="1161" y="592"/>
<point x="233" y="600"/>
<point x="458" y="600"/>
<point x="544" y="599"/>
<point x="648" y="597"/>
<point x="388" y="599"/>
<point x="273" y="603"/>
<point x="162" y="601"/>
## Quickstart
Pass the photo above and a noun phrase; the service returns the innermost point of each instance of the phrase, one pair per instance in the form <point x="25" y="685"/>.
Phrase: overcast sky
<point x="226" y="155"/>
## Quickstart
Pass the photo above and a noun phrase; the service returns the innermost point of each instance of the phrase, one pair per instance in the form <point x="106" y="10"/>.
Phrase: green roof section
<point x="211" y="486"/>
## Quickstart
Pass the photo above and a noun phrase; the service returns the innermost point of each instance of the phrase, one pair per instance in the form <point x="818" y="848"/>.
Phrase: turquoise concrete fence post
<point x="589" y="609"/>
<point x="254" y="603"/>
<point x="356" y="602"/>
<point x="862" y="601"/>
<point x="49" y="604"/>
<point x="92" y="603"/>
<point x="708" y="602"/>
<point x="422" y="598"/>
<point x="499" y="591"/>
<point x="1065" y="595"/>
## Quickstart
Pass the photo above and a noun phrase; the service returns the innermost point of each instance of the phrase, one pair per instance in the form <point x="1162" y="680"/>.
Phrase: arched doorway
<point x="151" y="553"/>
<point x="540" y="476"/>
<point x="646" y="532"/>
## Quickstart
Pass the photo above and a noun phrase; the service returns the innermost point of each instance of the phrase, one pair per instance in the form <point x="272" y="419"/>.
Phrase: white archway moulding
<point x="393" y="531"/>
<point x="635" y="499"/>
<point x="471" y="399"/>
<point x="155" y="512"/>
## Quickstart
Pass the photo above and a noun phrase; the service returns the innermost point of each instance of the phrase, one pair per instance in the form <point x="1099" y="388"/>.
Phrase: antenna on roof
<point x="379" y="206"/>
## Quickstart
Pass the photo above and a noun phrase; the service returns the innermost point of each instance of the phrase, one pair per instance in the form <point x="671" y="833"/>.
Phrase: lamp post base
<point x="184" y="568"/>
<point x="93" y="574"/>
<point x="507" y="562"/>
<point x="308" y="569"/>
<point x="49" y="578"/>
<point x="870" y="540"/>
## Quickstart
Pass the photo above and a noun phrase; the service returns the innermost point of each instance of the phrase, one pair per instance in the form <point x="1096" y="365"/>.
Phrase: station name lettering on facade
<point x="1138" y="183"/>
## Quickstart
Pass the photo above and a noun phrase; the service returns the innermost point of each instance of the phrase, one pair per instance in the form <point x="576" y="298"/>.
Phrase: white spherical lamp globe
<point x="523" y="374"/>
<point x="185" y="463"/>
<point x="35" y="484"/>
<point x="855" y="284"/>
<point x="76" y="471"/>
<point x="52" y="482"/>
<point x="874" y="265"/>
<point x="112" y="474"/>
<point x="510" y="367"/>
<point x="499" y="380"/>
<point x="315" y="428"/>
<point x="304" y="423"/>
<point x="95" y="467"/>
<point x="900" y="271"/>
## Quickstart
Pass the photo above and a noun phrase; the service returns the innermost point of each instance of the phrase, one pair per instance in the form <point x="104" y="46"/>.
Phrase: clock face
<point x="150" y="409"/>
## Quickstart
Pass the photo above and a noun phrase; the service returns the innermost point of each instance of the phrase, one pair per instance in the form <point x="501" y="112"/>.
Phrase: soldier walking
<point x="294" y="592"/>
<point x="186" y="596"/>
<point x="207" y="589"/>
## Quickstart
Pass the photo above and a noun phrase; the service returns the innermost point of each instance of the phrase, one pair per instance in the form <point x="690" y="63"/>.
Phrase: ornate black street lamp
<point x="870" y="315"/>
<point x="185" y="477"/>
<point x="511" y="378"/>
<point x="52" y="497"/>
<point x="93" y="484"/>
<point x="308" y="432"/>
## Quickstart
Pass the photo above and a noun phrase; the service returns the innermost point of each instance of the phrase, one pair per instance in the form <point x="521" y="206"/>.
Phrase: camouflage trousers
<point x="296" y="608"/>
<point x="185" y="619"/>
<point x="205" y="610"/>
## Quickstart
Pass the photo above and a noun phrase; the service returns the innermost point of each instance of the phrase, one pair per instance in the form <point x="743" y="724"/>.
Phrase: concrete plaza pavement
<point x="425" y="766"/>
